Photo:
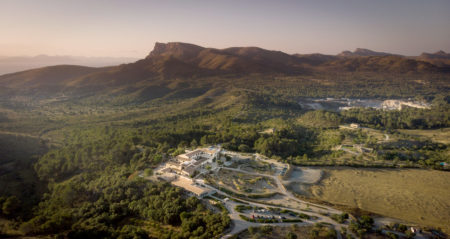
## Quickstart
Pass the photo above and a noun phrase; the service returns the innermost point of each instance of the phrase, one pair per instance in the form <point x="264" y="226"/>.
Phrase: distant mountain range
<point x="21" y="63"/>
<point x="258" y="60"/>
<point x="364" y="52"/>
<point x="439" y="58"/>
<point x="437" y="55"/>
<point x="169" y="63"/>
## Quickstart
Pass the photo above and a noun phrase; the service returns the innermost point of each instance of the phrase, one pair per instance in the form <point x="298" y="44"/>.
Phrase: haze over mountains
<point x="174" y="61"/>
<point x="10" y="64"/>
<point x="440" y="58"/>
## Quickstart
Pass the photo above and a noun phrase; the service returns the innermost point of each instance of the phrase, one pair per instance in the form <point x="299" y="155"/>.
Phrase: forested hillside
<point x="74" y="139"/>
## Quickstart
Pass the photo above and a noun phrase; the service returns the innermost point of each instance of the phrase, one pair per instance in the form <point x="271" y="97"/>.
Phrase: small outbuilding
<point x="355" y="126"/>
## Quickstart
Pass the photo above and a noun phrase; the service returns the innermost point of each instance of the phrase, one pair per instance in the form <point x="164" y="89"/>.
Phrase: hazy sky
<point x="131" y="27"/>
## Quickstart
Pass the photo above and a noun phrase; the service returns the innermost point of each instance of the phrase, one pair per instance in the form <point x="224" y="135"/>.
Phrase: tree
<point x="266" y="229"/>
<point x="204" y="140"/>
<point x="291" y="235"/>
<point x="148" y="172"/>
<point x="392" y="235"/>
<point x="244" y="148"/>
<point x="157" y="159"/>
<point x="2" y="200"/>
<point x="10" y="206"/>
<point x="410" y="234"/>
<point x="194" y="143"/>
<point x="402" y="228"/>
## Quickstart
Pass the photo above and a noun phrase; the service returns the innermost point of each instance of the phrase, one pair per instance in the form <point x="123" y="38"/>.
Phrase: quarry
<point x="340" y="104"/>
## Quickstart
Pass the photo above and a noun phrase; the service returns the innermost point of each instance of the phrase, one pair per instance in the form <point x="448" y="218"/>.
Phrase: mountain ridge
<point x="181" y="62"/>
<point x="439" y="54"/>
<point x="439" y="58"/>
<point x="228" y="60"/>
<point x="364" y="52"/>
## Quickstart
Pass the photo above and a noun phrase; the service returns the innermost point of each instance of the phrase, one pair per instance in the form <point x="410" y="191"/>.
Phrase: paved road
<point x="315" y="210"/>
<point x="282" y="189"/>
<point x="240" y="224"/>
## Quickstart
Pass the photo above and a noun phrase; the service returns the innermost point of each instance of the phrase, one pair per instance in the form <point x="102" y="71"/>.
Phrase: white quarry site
<point x="346" y="104"/>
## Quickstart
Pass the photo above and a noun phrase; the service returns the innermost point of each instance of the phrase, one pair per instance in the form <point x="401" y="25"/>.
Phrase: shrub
<point x="291" y="235"/>
<point x="292" y="220"/>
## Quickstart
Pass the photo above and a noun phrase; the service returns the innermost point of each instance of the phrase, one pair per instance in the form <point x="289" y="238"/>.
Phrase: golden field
<point x="412" y="195"/>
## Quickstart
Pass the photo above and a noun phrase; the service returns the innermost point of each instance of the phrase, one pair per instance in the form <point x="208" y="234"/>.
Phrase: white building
<point x="189" y="162"/>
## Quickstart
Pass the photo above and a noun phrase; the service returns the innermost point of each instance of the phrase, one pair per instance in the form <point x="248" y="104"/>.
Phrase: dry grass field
<point x="412" y="195"/>
<point x="437" y="135"/>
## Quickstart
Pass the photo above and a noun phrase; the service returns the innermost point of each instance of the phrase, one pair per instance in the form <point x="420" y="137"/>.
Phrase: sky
<point x="130" y="28"/>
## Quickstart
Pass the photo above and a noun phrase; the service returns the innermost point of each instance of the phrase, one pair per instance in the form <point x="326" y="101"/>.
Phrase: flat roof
<point x="184" y="157"/>
<point x="210" y="150"/>
<point x="189" y="185"/>
<point x="171" y="162"/>
<point x="200" y="161"/>
<point x="190" y="169"/>
<point x="194" y="152"/>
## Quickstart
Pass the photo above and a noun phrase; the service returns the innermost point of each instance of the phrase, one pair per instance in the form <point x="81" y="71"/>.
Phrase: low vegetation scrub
<point x="297" y="214"/>
<point x="292" y="220"/>
<point x="362" y="226"/>
<point x="339" y="217"/>
<point x="242" y="208"/>
<point x="221" y="207"/>
<point x="259" y="220"/>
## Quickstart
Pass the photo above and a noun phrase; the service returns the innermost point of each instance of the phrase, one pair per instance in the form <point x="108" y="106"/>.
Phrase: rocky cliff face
<point x="176" y="49"/>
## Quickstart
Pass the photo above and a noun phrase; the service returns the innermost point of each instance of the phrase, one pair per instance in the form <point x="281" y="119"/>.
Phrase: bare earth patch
<point x="414" y="195"/>
<point x="305" y="175"/>
<point x="284" y="201"/>
<point x="245" y="183"/>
